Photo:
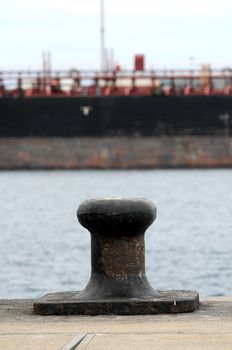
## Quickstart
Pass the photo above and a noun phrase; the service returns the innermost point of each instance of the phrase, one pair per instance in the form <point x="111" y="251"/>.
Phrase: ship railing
<point x="88" y="82"/>
<point x="92" y="73"/>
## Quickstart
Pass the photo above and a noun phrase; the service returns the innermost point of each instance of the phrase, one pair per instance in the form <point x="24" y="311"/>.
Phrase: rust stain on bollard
<point x="131" y="249"/>
<point x="118" y="282"/>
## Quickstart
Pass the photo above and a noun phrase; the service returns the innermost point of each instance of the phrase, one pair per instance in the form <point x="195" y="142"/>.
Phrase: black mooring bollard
<point x="118" y="283"/>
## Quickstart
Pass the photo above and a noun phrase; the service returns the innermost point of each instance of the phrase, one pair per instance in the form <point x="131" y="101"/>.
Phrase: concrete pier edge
<point x="210" y="327"/>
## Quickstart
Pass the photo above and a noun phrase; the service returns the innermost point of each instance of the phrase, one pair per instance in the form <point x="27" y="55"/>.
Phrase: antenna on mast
<point x="102" y="32"/>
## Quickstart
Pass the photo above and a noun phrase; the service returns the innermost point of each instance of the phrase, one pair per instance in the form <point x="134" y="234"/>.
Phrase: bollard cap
<point x="116" y="215"/>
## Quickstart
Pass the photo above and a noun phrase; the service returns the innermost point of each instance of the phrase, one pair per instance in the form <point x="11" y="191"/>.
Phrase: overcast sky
<point x="168" y="32"/>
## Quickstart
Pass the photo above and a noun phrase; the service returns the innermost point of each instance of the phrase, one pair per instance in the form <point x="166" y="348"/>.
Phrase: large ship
<point x="116" y="118"/>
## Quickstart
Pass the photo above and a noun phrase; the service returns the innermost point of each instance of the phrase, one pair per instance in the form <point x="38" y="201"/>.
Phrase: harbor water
<point x="44" y="249"/>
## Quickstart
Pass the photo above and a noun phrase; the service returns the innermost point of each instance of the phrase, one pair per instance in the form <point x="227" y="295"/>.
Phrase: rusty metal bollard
<point x="118" y="283"/>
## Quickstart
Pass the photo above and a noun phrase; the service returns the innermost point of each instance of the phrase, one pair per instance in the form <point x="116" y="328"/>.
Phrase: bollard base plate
<point x="164" y="302"/>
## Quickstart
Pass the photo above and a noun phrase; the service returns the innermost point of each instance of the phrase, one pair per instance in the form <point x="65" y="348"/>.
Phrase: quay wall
<point x="122" y="152"/>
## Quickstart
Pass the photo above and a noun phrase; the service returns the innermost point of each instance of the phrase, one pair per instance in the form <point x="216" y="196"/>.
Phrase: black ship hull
<point x="115" y="132"/>
<point x="114" y="116"/>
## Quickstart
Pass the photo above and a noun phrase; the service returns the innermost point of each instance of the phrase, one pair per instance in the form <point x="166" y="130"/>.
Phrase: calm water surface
<point x="44" y="249"/>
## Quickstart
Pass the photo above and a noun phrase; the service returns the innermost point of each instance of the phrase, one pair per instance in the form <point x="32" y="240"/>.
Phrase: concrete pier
<point x="208" y="328"/>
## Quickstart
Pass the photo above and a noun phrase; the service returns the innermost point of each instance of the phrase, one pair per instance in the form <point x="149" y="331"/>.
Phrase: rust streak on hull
<point x="116" y="152"/>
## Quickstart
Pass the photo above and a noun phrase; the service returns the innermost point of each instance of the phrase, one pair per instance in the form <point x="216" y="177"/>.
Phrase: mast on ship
<point x="102" y="32"/>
